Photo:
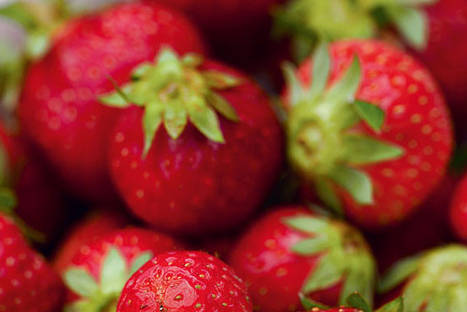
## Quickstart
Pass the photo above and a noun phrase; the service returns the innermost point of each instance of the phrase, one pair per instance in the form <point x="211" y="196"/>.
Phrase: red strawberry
<point x="94" y="226"/>
<point x="292" y="251"/>
<point x="59" y="110"/>
<point x="371" y="133"/>
<point x="180" y="166"/>
<point x="184" y="281"/>
<point x="27" y="283"/>
<point x="432" y="281"/>
<point x="98" y="271"/>
<point x="458" y="210"/>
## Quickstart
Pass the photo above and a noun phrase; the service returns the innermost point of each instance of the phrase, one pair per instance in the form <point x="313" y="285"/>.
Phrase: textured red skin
<point x="197" y="277"/>
<point x="458" y="210"/>
<point x="192" y="185"/>
<point x="274" y="274"/>
<point x="27" y="282"/>
<point x="59" y="110"/>
<point x="131" y="242"/>
<point x="417" y="120"/>
<point x="445" y="56"/>
<point x="93" y="227"/>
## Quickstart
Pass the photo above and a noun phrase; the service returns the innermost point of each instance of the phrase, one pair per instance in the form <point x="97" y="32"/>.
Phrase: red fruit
<point x="458" y="210"/>
<point x="184" y="281"/>
<point x="180" y="166"/>
<point x="59" y="110"/>
<point x="375" y="138"/>
<point x="292" y="251"/>
<point x="27" y="283"/>
<point x="94" y="226"/>
<point x="98" y="271"/>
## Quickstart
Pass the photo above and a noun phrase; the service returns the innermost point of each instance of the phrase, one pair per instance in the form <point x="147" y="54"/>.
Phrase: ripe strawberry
<point x="432" y="281"/>
<point x="458" y="210"/>
<point x="27" y="283"/>
<point x="180" y="166"/>
<point x="59" y="110"/>
<point x="371" y="132"/>
<point x="98" y="271"/>
<point x="184" y="281"/>
<point x="292" y="251"/>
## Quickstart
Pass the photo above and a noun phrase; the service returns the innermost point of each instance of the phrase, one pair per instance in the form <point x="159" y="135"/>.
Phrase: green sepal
<point x="354" y="181"/>
<point x="310" y="225"/>
<point x="114" y="272"/>
<point x="8" y="200"/>
<point x="371" y="114"/>
<point x="326" y="192"/>
<point x="398" y="273"/>
<point x="344" y="90"/>
<point x="222" y="106"/>
<point x="358" y="280"/>
<point x="309" y="304"/>
<point x="363" y="150"/>
<point x="356" y="301"/>
<point x="320" y="71"/>
<point x="397" y="305"/>
<point x="311" y="246"/>
<point x="140" y="261"/>
<point x="81" y="282"/>
<point x="411" y="24"/>
<point x="296" y="92"/>
<point x="119" y="98"/>
<point x="175" y="118"/>
<point x="328" y="273"/>
<point x="152" y="119"/>
<point x="220" y="81"/>
<point x="204" y="118"/>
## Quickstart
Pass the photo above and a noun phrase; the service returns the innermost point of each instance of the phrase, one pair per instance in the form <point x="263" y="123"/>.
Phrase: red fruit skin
<point x="192" y="185"/>
<point x="94" y="226"/>
<point x="27" y="283"/>
<point x="427" y="228"/>
<point x="131" y="242"/>
<point x="202" y="282"/>
<point x="417" y="120"/>
<point x="444" y="57"/>
<point x="273" y="272"/>
<point x="59" y="110"/>
<point x="458" y="210"/>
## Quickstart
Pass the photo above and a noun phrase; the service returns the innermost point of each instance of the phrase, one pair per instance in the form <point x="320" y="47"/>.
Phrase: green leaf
<point x="114" y="273"/>
<point x="327" y="273"/>
<point x="398" y="274"/>
<point x="81" y="282"/>
<point x="310" y="225"/>
<point x="355" y="300"/>
<point x="312" y="246"/>
<point x="327" y="194"/>
<point x="119" y="97"/>
<point x="175" y="118"/>
<point x="411" y="23"/>
<point x="222" y="106"/>
<point x="396" y="305"/>
<point x="151" y="121"/>
<point x="356" y="182"/>
<point x="360" y="276"/>
<point x="371" y="114"/>
<point x="140" y="261"/>
<point x="362" y="150"/>
<point x="321" y="70"/>
<point x="309" y="304"/>
<point x="295" y="89"/>
<point x="345" y="89"/>
<point x="204" y="119"/>
<point x="142" y="69"/>
<point x="221" y="81"/>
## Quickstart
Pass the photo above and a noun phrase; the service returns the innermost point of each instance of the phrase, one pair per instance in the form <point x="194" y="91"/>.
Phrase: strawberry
<point x="59" y="110"/>
<point x="99" y="223"/>
<point x="98" y="271"/>
<point x="432" y="281"/>
<point x="371" y="133"/>
<point x="458" y="210"/>
<point x="185" y="281"/>
<point x="27" y="283"/>
<point x="181" y="152"/>
<point x="292" y="251"/>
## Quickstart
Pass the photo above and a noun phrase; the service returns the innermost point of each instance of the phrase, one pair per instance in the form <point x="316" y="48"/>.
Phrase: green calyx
<point x="323" y="146"/>
<point x="172" y="90"/>
<point x="102" y="296"/>
<point x="344" y="257"/>
<point x="312" y="21"/>
<point x="436" y="280"/>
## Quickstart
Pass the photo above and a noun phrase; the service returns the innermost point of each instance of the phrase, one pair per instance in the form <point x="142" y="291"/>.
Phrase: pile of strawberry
<point x="154" y="159"/>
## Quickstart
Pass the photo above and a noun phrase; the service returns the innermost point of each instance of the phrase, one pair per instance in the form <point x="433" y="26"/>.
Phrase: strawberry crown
<point x="323" y="146"/>
<point x="355" y="301"/>
<point x="102" y="295"/>
<point x="172" y="91"/>
<point x="312" y="21"/>
<point x="345" y="256"/>
<point x="438" y="280"/>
